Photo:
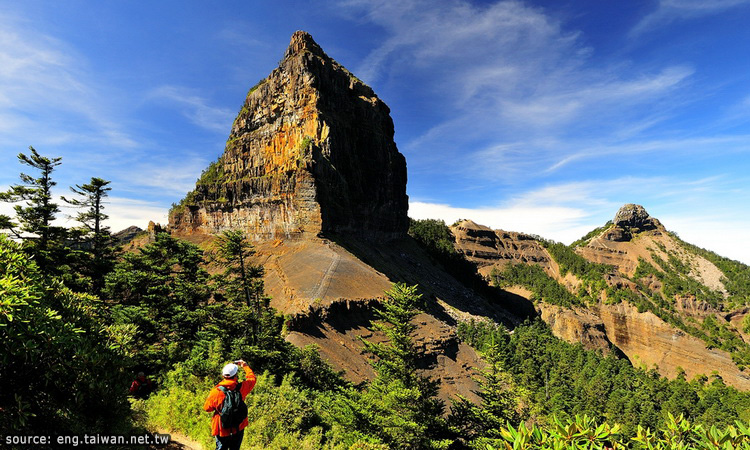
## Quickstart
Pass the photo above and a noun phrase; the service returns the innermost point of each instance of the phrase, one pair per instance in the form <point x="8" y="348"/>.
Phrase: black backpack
<point x="233" y="410"/>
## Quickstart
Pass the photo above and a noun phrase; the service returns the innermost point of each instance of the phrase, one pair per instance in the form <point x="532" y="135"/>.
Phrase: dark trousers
<point x="232" y="442"/>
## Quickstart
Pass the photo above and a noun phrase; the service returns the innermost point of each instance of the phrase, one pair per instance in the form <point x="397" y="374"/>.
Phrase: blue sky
<point x="543" y="117"/>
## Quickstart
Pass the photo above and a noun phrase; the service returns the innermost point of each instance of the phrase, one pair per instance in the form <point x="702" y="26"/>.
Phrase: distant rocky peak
<point x="631" y="219"/>
<point x="635" y="217"/>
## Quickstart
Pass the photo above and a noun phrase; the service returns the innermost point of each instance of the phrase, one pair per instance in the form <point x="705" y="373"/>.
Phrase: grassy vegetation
<point x="590" y="235"/>
<point x="281" y="414"/>
<point x="534" y="278"/>
<point x="590" y="274"/>
<point x="736" y="274"/>
<point x="306" y="142"/>
<point x="256" y="86"/>
<point x="213" y="174"/>
<point x="570" y="261"/>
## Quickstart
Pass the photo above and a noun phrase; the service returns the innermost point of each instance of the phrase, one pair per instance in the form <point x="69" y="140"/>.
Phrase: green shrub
<point x="55" y="355"/>
<point x="584" y="433"/>
<point x="533" y="277"/>
<point x="279" y="416"/>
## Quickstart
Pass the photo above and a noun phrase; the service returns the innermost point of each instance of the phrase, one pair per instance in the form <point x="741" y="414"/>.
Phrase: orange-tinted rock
<point x="575" y="325"/>
<point x="311" y="151"/>
<point x="311" y="173"/>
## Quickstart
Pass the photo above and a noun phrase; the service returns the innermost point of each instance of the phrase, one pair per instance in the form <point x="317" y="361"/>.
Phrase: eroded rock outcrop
<point x="644" y="338"/>
<point x="489" y="248"/>
<point x="310" y="152"/>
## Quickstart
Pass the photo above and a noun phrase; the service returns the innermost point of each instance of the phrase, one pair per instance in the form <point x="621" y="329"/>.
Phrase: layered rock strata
<point x="488" y="248"/>
<point x="310" y="152"/>
<point x="645" y="339"/>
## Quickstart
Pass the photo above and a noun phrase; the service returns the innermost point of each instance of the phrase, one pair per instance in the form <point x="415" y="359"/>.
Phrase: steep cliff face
<point x="644" y="338"/>
<point x="310" y="152"/>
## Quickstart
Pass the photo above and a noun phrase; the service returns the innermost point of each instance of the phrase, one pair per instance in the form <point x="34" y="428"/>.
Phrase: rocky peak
<point x="302" y="42"/>
<point x="635" y="217"/>
<point x="631" y="219"/>
<point x="310" y="152"/>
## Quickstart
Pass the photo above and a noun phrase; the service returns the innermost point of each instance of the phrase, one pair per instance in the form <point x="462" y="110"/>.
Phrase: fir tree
<point x="95" y="236"/>
<point x="240" y="275"/>
<point x="402" y="404"/>
<point x="41" y="239"/>
<point x="499" y="402"/>
<point x="159" y="290"/>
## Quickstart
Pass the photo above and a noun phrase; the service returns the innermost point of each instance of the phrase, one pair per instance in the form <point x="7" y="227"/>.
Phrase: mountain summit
<point x="630" y="220"/>
<point x="310" y="152"/>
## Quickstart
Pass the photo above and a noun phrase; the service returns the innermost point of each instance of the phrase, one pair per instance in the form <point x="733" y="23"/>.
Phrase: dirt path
<point x="319" y="291"/>
<point x="178" y="442"/>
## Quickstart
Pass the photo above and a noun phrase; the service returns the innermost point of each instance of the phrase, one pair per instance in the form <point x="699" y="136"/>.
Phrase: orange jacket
<point x="216" y="398"/>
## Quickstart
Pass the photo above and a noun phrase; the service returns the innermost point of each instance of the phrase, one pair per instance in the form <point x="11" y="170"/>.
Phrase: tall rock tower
<point x="310" y="152"/>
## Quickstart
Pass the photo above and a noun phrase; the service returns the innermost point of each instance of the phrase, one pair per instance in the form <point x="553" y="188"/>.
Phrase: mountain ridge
<point x="638" y="289"/>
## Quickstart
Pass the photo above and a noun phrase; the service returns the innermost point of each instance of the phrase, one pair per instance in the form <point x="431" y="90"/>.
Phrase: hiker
<point x="141" y="386"/>
<point x="227" y="401"/>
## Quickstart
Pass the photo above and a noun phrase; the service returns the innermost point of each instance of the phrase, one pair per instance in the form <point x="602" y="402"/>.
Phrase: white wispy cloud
<point x="164" y="177"/>
<point x="559" y="223"/>
<point x="672" y="10"/>
<point x="682" y="146"/>
<point x="47" y="94"/>
<point x="707" y="212"/>
<point x="514" y="83"/>
<point x="722" y="233"/>
<point x="125" y="212"/>
<point x="196" y="108"/>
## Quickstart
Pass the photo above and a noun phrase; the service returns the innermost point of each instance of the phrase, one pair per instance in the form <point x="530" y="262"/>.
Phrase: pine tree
<point x="499" y="402"/>
<point x="96" y="237"/>
<point x="403" y="406"/>
<point x="234" y="253"/>
<point x="42" y="239"/>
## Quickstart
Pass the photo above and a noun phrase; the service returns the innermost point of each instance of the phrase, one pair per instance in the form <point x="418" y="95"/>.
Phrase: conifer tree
<point x="160" y="289"/>
<point x="96" y="237"/>
<point x="42" y="239"/>
<point x="251" y="328"/>
<point x="403" y="405"/>
<point x="499" y="401"/>
<point x="240" y="275"/>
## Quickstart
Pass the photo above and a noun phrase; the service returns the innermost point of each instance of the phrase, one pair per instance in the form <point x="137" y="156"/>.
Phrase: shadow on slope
<point x="404" y="260"/>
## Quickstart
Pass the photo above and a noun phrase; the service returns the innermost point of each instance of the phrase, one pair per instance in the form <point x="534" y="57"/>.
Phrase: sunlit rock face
<point x="311" y="152"/>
